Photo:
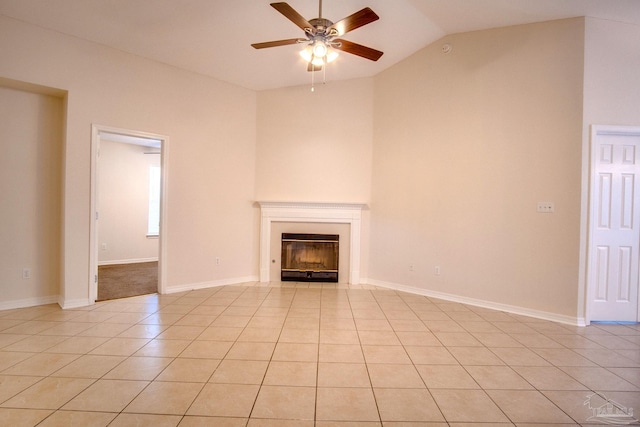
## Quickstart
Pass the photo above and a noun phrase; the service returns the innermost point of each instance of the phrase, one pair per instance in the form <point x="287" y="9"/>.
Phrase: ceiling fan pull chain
<point x="324" y="73"/>
<point x="313" y="72"/>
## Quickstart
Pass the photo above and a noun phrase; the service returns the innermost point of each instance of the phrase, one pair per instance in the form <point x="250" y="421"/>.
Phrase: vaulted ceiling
<point x="213" y="37"/>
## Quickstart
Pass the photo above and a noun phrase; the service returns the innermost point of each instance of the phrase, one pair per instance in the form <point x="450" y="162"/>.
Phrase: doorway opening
<point x="128" y="199"/>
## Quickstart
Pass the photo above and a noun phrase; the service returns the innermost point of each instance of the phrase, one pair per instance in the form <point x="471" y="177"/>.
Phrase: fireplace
<point x="310" y="257"/>
<point x="311" y="212"/>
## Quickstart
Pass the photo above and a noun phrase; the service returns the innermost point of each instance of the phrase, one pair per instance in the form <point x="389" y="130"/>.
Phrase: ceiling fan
<point x="322" y="36"/>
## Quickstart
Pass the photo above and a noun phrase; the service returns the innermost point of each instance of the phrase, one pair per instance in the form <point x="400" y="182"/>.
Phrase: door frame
<point x="96" y="130"/>
<point x="597" y="130"/>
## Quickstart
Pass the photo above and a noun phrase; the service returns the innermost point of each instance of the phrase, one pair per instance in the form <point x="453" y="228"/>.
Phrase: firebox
<point x="309" y="257"/>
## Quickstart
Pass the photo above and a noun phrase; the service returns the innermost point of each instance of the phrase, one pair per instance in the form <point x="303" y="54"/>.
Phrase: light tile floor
<point x="320" y="355"/>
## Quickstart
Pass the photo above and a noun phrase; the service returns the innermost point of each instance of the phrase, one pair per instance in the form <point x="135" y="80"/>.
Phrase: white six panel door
<point x="615" y="227"/>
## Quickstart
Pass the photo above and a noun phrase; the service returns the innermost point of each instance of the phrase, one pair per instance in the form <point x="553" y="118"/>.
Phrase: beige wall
<point x="211" y="149"/>
<point x="612" y="85"/>
<point x="315" y="146"/>
<point x="31" y="142"/>
<point x="123" y="203"/>
<point x="465" y="145"/>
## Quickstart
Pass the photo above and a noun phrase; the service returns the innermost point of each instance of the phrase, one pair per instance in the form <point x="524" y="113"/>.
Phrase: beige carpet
<point x="127" y="280"/>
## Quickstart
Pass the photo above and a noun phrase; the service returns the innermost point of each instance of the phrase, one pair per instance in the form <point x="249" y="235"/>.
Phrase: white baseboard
<point x="28" y="302"/>
<point x="523" y="311"/>
<point x="128" y="261"/>
<point x="211" y="284"/>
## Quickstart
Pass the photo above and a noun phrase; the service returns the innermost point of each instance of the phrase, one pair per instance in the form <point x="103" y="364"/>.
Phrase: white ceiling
<point x="213" y="37"/>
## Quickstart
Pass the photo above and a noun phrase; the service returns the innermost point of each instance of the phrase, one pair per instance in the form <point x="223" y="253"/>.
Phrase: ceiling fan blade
<point x="275" y="43"/>
<point x="357" y="49"/>
<point x="312" y="67"/>
<point x="292" y="15"/>
<point x="351" y="22"/>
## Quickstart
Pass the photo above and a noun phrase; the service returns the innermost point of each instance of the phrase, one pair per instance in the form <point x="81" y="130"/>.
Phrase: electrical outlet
<point x="546" y="207"/>
<point x="410" y="267"/>
<point x="436" y="270"/>
<point x="217" y="260"/>
<point x="26" y="273"/>
<point x="103" y="246"/>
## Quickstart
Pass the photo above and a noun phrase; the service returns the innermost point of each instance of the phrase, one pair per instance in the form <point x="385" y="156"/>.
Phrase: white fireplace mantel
<point x="337" y="213"/>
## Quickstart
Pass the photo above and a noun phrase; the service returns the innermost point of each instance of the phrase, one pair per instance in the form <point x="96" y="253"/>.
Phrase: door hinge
<point x="95" y="278"/>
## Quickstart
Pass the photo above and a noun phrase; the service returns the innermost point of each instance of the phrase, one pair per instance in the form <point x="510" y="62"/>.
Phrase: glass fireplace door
<point x="309" y="257"/>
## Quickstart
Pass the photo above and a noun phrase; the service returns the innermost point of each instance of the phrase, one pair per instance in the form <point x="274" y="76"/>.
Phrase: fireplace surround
<point x="311" y="212"/>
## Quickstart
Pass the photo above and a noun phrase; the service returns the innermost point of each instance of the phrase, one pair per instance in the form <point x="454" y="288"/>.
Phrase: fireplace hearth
<point x="309" y="257"/>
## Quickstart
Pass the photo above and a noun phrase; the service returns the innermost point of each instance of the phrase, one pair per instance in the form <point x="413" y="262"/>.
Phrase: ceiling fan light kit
<point x="319" y="49"/>
<point x="318" y="54"/>
<point x="321" y="37"/>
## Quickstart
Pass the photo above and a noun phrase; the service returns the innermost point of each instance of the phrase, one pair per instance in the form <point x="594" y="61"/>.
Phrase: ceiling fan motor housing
<point x="320" y="25"/>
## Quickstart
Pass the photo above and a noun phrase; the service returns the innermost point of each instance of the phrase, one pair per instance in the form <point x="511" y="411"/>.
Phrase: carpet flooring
<point x="127" y="280"/>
